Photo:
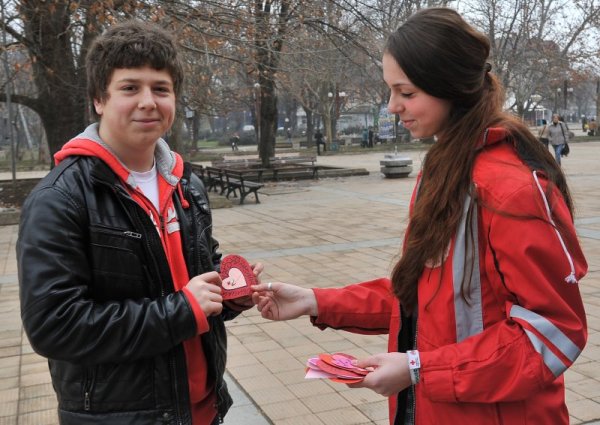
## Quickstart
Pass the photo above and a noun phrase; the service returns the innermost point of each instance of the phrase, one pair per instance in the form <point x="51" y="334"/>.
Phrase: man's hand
<point x="206" y="289"/>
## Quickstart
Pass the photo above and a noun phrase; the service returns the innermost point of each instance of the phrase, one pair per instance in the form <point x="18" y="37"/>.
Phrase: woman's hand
<point x="390" y="374"/>
<point x="283" y="301"/>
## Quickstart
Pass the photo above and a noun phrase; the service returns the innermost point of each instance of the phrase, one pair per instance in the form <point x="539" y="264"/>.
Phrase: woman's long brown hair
<point x="445" y="57"/>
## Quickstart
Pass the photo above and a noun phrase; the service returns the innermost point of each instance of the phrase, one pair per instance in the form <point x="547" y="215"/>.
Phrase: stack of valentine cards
<point x="336" y="367"/>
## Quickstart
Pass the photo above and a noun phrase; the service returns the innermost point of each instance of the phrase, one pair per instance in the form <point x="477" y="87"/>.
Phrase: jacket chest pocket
<point x="117" y="264"/>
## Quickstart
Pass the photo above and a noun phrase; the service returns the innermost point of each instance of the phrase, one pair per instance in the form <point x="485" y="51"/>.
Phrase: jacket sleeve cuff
<point x="201" y="320"/>
<point x="437" y="384"/>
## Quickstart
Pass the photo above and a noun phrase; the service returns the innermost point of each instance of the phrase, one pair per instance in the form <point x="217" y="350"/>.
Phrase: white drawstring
<point x="571" y="277"/>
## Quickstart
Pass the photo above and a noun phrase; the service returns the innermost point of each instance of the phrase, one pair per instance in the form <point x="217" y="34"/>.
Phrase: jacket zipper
<point x="412" y="387"/>
<point x="116" y="232"/>
<point x="136" y="210"/>
<point x="88" y="388"/>
<point x="172" y="364"/>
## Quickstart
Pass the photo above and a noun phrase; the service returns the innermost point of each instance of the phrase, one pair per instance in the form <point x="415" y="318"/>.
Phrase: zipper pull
<point x="86" y="402"/>
<point x="133" y="234"/>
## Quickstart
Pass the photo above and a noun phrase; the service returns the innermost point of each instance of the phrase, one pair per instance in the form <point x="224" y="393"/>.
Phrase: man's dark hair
<point x="131" y="44"/>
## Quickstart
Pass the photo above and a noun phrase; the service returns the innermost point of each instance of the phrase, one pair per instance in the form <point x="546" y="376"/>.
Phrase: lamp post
<point x="340" y="101"/>
<point x="257" y="112"/>
<point x="535" y="98"/>
<point x="568" y="92"/>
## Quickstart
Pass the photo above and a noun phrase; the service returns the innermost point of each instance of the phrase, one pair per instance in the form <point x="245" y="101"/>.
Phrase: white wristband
<point x="414" y="364"/>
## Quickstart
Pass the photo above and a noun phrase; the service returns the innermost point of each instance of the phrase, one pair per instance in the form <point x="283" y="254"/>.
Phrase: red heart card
<point x="237" y="276"/>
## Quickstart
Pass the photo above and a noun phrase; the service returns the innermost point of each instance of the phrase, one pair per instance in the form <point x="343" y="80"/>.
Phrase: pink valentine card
<point x="237" y="276"/>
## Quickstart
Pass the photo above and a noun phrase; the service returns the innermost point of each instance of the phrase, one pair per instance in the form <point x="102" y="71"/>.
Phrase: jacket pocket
<point x="124" y="386"/>
<point x="116" y="260"/>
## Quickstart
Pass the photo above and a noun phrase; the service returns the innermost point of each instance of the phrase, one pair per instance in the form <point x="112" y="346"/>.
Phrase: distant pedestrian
<point x="593" y="127"/>
<point x="558" y="134"/>
<point x="235" y="141"/>
<point x="319" y="141"/>
<point x="584" y="123"/>
<point x="365" y="138"/>
<point x="371" y="135"/>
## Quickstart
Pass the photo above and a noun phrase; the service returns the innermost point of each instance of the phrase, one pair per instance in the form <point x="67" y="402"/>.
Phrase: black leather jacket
<point x="97" y="298"/>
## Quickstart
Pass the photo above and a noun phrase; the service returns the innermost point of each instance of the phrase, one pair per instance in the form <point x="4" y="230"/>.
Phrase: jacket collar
<point x="492" y="136"/>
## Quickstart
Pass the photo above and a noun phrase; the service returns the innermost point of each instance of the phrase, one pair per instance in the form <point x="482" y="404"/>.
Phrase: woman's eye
<point x="407" y="95"/>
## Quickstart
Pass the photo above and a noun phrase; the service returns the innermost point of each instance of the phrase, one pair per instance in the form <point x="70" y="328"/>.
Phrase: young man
<point x="117" y="263"/>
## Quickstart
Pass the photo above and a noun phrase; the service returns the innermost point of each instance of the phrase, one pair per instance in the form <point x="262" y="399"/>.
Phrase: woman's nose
<point x="395" y="105"/>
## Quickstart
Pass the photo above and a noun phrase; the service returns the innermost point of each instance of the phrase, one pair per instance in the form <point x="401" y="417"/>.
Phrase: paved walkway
<point x="322" y="233"/>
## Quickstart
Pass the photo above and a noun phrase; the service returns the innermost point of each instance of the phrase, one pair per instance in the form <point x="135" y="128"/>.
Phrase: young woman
<point x="483" y="308"/>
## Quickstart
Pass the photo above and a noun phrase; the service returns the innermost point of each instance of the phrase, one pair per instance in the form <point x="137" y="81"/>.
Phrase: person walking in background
<point x="319" y="141"/>
<point x="593" y="127"/>
<point x="365" y="138"/>
<point x="118" y="269"/>
<point x="558" y="135"/>
<point x="483" y="308"/>
<point x="543" y="134"/>
<point x="371" y="135"/>
<point x="235" y="142"/>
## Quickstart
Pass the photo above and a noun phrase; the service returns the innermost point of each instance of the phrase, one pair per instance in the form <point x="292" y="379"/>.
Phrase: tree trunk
<point x="598" y="100"/>
<point x="175" y="135"/>
<point x="267" y="121"/>
<point x="310" y="129"/>
<point x="61" y="85"/>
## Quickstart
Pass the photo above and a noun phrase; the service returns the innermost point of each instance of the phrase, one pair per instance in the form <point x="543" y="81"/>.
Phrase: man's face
<point x="555" y="119"/>
<point x="139" y="108"/>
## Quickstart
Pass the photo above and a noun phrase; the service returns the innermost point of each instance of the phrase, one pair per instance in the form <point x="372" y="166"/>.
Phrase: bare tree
<point x="535" y="43"/>
<point x="56" y="35"/>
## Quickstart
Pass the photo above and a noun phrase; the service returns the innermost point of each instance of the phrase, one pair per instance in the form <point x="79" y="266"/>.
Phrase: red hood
<point x="88" y="143"/>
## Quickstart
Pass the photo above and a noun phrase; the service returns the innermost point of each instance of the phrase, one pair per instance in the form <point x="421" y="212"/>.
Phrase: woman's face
<point x="421" y="114"/>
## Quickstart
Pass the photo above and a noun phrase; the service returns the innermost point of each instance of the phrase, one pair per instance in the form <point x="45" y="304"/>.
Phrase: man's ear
<point x="98" y="106"/>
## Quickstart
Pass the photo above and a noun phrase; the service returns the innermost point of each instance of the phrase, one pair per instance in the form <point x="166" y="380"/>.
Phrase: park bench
<point x="294" y="163"/>
<point x="237" y="163"/>
<point x="226" y="181"/>
<point x="237" y="181"/>
<point x="215" y="180"/>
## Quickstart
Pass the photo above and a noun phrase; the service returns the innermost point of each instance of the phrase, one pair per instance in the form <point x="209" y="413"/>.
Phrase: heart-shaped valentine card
<point x="237" y="276"/>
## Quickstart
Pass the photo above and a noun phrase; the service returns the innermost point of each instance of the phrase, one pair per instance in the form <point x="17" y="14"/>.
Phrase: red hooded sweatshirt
<point x="170" y="168"/>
